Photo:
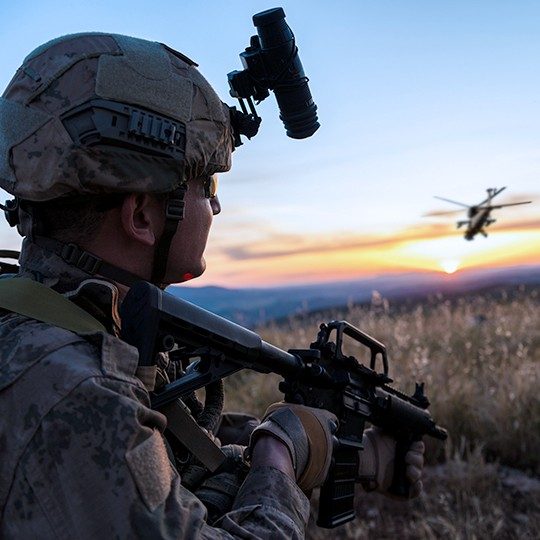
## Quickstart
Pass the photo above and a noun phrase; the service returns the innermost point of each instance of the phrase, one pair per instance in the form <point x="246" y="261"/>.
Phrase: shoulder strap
<point x="36" y="301"/>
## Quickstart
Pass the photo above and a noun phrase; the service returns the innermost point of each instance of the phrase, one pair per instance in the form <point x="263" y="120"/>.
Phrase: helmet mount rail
<point x="104" y="122"/>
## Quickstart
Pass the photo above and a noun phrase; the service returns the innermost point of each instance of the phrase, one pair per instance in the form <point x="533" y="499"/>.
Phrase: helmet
<point x="97" y="113"/>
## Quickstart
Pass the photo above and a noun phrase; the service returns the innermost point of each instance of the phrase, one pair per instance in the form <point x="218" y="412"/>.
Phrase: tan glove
<point x="307" y="434"/>
<point x="376" y="466"/>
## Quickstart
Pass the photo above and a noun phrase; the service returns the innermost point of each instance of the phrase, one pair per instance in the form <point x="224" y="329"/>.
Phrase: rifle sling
<point x="185" y="428"/>
<point x="36" y="301"/>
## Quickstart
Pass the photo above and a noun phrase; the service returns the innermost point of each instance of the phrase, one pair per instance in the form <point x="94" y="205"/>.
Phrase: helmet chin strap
<point x="89" y="263"/>
<point x="93" y="265"/>
<point x="174" y="213"/>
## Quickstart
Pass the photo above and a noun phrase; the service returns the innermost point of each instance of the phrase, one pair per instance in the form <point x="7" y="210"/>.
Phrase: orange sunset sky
<point x="415" y="99"/>
<point x="300" y="259"/>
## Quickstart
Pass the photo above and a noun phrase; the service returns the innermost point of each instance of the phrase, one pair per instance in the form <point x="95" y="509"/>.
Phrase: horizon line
<point x="367" y="277"/>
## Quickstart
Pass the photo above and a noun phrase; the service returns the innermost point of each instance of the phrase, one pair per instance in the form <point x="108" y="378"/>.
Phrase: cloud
<point x="523" y="225"/>
<point x="285" y="245"/>
<point x="280" y="245"/>
<point x="519" y="197"/>
<point x="437" y="213"/>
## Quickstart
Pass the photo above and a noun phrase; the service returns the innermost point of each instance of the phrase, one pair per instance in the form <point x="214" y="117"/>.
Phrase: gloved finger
<point x="415" y="459"/>
<point x="212" y="436"/>
<point x="413" y="473"/>
<point x="233" y="450"/>
<point x="329" y="417"/>
<point x="417" y="446"/>
<point x="416" y="489"/>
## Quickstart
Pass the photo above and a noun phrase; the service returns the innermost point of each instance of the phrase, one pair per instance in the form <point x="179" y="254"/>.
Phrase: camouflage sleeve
<point x="98" y="468"/>
<point x="270" y="505"/>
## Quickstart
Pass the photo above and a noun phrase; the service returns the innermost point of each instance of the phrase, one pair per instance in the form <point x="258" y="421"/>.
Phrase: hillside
<point x="255" y="306"/>
<point x="479" y="356"/>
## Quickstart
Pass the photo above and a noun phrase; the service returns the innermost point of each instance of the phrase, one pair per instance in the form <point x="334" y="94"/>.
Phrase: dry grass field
<point x="480" y="359"/>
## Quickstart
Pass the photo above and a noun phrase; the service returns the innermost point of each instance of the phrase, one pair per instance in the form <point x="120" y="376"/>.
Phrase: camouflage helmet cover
<point x="39" y="160"/>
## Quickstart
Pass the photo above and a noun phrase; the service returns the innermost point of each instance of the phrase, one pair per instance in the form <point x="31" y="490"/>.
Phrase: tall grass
<point x="480" y="359"/>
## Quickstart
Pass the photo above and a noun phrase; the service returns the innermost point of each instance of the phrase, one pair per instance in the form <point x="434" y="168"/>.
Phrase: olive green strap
<point x="36" y="301"/>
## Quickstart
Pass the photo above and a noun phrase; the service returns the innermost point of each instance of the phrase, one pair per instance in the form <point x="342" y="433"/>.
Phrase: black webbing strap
<point x="86" y="261"/>
<point x="9" y="254"/>
<point x="174" y="214"/>
<point x="6" y="268"/>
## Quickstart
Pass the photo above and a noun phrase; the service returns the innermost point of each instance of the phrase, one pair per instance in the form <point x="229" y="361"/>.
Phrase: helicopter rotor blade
<point x="511" y="204"/>
<point x="442" y="213"/>
<point x="453" y="202"/>
<point x="494" y="193"/>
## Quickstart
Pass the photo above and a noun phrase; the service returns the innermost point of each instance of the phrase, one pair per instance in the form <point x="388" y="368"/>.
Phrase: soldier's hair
<point x="75" y="219"/>
<point x="72" y="219"/>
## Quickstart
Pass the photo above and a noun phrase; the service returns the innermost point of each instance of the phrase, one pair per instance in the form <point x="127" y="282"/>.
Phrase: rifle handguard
<point x="322" y="377"/>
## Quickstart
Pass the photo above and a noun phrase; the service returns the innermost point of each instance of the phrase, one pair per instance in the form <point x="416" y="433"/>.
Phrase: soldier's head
<point x="108" y="136"/>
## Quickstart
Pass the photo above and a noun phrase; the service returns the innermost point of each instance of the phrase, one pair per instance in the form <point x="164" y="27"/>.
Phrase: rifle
<point x="321" y="376"/>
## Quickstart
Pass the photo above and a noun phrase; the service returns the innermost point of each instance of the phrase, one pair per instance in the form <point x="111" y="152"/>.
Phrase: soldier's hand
<point x="376" y="467"/>
<point x="307" y="435"/>
<point x="219" y="489"/>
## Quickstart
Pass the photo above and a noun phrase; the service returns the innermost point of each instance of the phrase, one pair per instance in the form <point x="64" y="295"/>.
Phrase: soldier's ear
<point x="142" y="218"/>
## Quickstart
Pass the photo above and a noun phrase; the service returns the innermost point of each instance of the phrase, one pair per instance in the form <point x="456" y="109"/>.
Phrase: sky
<point x="415" y="99"/>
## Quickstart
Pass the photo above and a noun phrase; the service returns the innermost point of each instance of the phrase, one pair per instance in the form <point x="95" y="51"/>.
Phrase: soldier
<point x="110" y="145"/>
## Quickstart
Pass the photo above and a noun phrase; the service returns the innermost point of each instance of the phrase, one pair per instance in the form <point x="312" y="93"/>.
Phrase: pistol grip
<point x="401" y="486"/>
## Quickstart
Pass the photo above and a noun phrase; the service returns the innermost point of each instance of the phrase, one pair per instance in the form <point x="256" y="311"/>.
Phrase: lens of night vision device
<point x="290" y="85"/>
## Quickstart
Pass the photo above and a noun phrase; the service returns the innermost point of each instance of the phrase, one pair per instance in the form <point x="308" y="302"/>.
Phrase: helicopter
<point x="479" y="215"/>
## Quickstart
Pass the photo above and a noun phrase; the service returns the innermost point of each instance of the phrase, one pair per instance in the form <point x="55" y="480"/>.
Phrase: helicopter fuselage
<point x="479" y="215"/>
<point x="478" y="220"/>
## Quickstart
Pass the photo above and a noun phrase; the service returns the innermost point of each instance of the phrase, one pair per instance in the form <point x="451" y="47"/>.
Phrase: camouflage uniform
<point x="83" y="454"/>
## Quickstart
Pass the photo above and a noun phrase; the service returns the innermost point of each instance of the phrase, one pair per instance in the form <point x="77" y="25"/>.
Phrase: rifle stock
<point x="321" y="376"/>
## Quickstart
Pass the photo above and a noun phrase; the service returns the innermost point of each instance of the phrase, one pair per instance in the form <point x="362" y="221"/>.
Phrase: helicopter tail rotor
<point x="492" y="192"/>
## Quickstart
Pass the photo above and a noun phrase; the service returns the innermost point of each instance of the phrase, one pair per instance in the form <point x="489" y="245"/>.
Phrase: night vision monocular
<point x="271" y="62"/>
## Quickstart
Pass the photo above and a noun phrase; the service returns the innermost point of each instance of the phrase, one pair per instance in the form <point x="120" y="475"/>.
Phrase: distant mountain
<point x="259" y="305"/>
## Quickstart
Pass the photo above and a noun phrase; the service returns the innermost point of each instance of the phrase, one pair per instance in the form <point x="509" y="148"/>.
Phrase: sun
<point x="449" y="265"/>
